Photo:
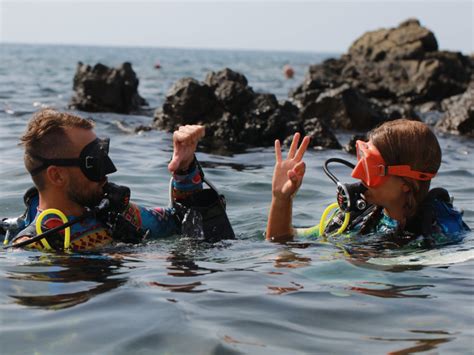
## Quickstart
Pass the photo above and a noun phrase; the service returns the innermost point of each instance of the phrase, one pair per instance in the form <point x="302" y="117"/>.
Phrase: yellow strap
<point x="67" y="231"/>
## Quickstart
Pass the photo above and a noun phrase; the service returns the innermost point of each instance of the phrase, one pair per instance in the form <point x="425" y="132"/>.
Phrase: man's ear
<point x="56" y="175"/>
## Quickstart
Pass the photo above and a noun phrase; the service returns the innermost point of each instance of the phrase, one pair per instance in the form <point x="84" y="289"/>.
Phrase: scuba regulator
<point x="109" y="211"/>
<point x="350" y="199"/>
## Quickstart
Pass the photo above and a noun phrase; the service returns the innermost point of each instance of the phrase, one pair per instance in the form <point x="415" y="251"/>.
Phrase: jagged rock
<point x="389" y="67"/>
<point x="321" y="135"/>
<point x="350" y="147"/>
<point x="459" y="115"/>
<point x="104" y="89"/>
<point x="343" y="107"/>
<point x="429" y="106"/>
<point x="397" y="111"/>
<point x="408" y="41"/>
<point x="231" y="89"/>
<point x="234" y="115"/>
<point x="319" y="78"/>
<point x="187" y="102"/>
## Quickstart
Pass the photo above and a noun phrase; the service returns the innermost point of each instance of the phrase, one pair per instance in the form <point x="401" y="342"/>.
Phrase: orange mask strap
<point x="405" y="170"/>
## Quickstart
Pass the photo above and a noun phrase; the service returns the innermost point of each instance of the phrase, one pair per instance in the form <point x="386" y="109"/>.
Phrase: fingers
<point x="277" y="151"/>
<point x="294" y="145"/>
<point x="300" y="169"/>
<point x="297" y="172"/>
<point x="302" y="148"/>
<point x="189" y="133"/>
<point x="173" y="165"/>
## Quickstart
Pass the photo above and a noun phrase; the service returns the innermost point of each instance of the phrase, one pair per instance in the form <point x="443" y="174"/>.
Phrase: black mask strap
<point x="48" y="162"/>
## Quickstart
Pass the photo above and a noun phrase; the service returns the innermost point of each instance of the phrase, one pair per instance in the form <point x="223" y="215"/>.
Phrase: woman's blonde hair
<point x="407" y="142"/>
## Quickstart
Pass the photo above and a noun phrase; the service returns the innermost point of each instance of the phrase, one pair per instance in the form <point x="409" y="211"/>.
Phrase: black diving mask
<point x="94" y="160"/>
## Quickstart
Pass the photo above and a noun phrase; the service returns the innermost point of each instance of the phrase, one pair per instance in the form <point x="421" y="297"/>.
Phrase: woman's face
<point x="391" y="194"/>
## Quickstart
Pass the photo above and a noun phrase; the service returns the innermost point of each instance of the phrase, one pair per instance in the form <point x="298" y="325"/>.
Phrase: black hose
<point x="335" y="160"/>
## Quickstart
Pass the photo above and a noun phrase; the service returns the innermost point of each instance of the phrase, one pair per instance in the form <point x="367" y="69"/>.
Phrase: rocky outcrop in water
<point x="234" y="115"/>
<point x="459" y="113"/>
<point x="104" y="89"/>
<point x="383" y="76"/>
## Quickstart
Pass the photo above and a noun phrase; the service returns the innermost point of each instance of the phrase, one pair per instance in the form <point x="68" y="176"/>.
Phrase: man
<point x="69" y="167"/>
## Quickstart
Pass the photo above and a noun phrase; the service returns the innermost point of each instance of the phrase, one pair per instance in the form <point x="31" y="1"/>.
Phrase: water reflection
<point x="52" y="281"/>
<point x="390" y="291"/>
<point x="421" y="345"/>
<point x="291" y="260"/>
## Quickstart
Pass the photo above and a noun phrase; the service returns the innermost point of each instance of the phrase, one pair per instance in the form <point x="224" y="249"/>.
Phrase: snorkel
<point x="350" y="198"/>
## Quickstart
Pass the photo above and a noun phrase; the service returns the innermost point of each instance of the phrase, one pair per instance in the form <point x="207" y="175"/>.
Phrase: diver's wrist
<point x="282" y="199"/>
<point x="187" y="167"/>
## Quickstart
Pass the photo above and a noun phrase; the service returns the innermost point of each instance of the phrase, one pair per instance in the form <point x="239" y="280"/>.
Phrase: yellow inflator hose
<point x="67" y="231"/>
<point x="323" y="222"/>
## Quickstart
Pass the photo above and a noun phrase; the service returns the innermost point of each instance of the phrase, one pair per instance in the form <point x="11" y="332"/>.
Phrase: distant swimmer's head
<point x="62" y="151"/>
<point x="398" y="163"/>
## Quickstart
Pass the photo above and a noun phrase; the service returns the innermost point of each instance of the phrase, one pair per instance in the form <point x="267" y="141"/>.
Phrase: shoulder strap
<point x="31" y="193"/>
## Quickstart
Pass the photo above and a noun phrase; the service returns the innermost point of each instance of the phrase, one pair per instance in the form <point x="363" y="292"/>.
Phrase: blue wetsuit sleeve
<point x="162" y="222"/>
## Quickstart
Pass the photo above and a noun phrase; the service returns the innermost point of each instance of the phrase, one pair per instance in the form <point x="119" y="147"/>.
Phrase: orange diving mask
<point x="373" y="171"/>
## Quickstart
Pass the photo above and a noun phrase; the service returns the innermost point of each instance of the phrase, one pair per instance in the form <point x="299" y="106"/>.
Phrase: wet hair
<point x="46" y="137"/>
<point x="408" y="142"/>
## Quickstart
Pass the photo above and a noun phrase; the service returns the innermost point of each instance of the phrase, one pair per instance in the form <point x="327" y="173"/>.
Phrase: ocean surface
<point x="175" y="296"/>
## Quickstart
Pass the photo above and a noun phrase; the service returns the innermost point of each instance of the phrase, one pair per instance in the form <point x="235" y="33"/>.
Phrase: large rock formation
<point x="234" y="115"/>
<point x="104" y="89"/>
<point x="383" y="76"/>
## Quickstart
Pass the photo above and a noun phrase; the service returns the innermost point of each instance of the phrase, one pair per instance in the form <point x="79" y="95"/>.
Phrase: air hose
<point x="67" y="230"/>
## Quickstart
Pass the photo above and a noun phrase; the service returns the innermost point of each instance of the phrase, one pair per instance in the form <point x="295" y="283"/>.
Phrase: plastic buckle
<point x="383" y="170"/>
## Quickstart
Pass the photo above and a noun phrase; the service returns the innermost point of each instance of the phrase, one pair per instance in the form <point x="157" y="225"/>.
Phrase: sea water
<point x="176" y="296"/>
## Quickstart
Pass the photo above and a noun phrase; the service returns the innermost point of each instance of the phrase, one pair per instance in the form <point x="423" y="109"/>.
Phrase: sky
<point x="313" y="26"/>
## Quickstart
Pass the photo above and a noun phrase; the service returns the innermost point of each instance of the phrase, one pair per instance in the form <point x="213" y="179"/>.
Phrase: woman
<point x="395" y="166"/>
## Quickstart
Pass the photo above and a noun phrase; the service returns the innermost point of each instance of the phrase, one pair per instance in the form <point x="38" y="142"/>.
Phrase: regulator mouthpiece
<point x="350" y="197"/>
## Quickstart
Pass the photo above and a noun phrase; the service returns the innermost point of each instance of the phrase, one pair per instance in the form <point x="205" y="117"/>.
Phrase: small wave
<point x="427" y="258"/>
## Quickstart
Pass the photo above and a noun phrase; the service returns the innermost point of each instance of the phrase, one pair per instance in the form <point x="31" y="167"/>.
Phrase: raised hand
<point x="288" y="174"/>
<point x="185" y="141"/>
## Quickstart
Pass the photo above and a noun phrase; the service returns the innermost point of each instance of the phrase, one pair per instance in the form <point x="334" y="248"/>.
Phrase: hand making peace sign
<point x="288" y="174"/>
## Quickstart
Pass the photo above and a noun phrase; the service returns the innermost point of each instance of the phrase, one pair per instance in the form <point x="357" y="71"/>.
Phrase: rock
<point x="437" y="76"/>
<point x="408" y="41"/>
<point x="234" y="115"/>
<point x="396" y="111"/>
<point x="187" y="102"/>
<point x="428" y="107"/>
<point x="459" y="115"/>
<point x="231" y="89"/>
<point x="343" y="107"/>
<point x="321" y="135"/>
<point x="319" y="78"/>
<point x="350" y="147"/>
<point x="104" y="89"/>
<point x="393" y="69"/>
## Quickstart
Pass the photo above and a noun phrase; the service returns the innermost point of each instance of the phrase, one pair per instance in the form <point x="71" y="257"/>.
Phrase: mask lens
<point x="367" y="165"/>
<point x="96" y="163"/>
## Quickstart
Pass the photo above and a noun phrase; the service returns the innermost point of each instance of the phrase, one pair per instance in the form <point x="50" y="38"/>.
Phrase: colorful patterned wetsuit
<point x="93" y="234"/>
<point x="446" y="226"/>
